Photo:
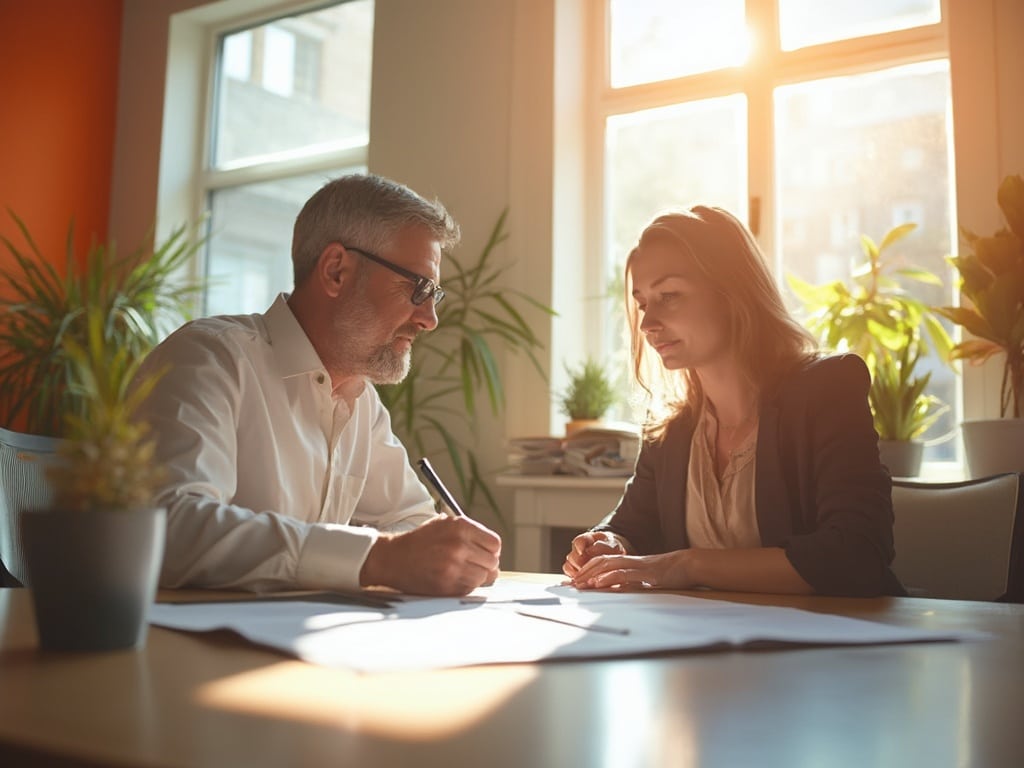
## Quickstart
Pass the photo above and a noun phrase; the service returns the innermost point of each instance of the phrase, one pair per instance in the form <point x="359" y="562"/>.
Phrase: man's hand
<point x="589" y="545"/>
<point x="444" y="556"/>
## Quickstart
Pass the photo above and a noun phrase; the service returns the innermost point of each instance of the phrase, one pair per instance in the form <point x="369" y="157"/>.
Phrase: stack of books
<point x="608" y="450"/>
<point x="535" y="455"/>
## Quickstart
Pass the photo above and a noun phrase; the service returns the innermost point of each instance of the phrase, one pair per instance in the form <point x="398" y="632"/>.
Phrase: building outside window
<point x="290" y="108"/>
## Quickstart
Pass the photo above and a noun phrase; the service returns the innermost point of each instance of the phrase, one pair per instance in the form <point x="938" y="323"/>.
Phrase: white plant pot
<point x="902" y="457"/>
<point x="994" y="446"/>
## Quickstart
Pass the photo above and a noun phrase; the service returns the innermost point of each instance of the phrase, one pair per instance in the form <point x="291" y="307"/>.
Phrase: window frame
<point x="768" y="68"/>
<point x="208" y="179"/>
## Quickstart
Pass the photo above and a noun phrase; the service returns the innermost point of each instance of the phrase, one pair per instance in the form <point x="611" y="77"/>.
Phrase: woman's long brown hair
<point x="767" y="341"/>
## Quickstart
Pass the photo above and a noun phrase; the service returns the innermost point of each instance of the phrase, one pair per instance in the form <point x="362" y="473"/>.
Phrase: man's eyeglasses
<point x="424" y="289"/>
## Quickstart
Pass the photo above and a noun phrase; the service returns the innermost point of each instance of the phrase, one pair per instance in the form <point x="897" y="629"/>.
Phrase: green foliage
<point x="902" y="410"/>
<point x="137" y="297"/>
<point x="107" y="460"/>
<point x="875" y="312"/>
<point x="876" y="318"/>
<point x="992" y="278"/>
<point x="457" y="360"/>
<point x="590" y="392"/>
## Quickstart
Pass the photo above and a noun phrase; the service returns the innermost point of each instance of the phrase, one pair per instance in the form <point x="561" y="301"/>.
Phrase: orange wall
<point x="58" y="103"/>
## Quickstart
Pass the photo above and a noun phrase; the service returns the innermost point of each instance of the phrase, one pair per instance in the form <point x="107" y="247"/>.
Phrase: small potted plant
<point x="588" y="397"/>
<point x="992" y="279"/>
<point x="901" y="408"/>
<point x="875" y="317"/>
<point x="92" y="559"/>
<point x="139" y="295"/>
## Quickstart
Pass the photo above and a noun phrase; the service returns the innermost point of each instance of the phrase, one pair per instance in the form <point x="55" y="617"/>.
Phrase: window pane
<point x="661" y="39"/>
<point x="809" y="22"/>
<point x="295" y="83"/>
<point x="249" y="253"/>
<point x="673" y="157"/>
<point x="658" y="160"/>
<point x="859" y="155"/>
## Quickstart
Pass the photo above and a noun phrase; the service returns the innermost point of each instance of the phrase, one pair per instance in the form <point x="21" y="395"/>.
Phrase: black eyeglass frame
<point x="425" y="287"/>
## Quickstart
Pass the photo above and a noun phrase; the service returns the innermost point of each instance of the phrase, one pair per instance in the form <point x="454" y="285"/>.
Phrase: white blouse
<point x="720" y="514"/>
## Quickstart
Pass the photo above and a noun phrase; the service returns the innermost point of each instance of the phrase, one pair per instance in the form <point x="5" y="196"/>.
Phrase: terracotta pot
<point x="577" y="424"/>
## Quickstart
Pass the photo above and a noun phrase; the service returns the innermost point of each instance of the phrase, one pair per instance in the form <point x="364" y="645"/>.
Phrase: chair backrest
<point x="961" y="541"/>
<point x="23" y="485"/>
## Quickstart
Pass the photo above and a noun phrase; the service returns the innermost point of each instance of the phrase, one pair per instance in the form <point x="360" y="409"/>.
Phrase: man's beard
<point x="381" y="364"/>
<point x="385" y="365"/>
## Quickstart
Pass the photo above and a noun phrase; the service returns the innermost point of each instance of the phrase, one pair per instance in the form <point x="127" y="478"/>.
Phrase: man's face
<point x="377" y="322"/>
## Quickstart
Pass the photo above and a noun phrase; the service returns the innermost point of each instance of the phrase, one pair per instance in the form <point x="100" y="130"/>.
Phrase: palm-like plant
<point x="139" y="296"/>
<point x="875" y="317"/>
<point x="901" y="408"/>
<point x="107" y="457"/>
<point x="875" y="311"/>
<point x="457" y="360"/>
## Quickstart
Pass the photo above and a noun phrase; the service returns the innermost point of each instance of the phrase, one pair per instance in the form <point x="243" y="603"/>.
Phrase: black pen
<point x="435" y="481"/>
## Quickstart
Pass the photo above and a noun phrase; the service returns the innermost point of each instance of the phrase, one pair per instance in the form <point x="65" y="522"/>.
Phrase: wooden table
<point x="192" y="700"/>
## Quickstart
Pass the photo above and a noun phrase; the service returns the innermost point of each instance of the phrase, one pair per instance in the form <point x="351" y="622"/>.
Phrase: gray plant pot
<point x="993" y="446"/>
<point x="93" y="576"/>
<point x="902" y="457"/>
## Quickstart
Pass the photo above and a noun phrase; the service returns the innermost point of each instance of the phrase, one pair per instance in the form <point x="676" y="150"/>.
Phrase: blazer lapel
<point x="769" y="482"/>
<point x="672" y="486"/>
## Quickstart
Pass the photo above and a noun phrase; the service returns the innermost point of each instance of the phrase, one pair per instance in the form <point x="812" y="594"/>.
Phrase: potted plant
<point x="588" y="396"/>
<point x="991" y="277"/>
<point x="875" y="317"/>
<point x="138" y="295"/>
<point x="902" y="409"/>
<point x="434" y="409"/>
<point x="92" y="559"/>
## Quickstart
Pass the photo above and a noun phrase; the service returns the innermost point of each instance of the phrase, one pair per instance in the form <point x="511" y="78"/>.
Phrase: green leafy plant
<point x="901" y="408"/>
<point x="106" y="457"/>
<point x="453" y="365"/>
<point x="875" y="317"/>
<point x="590" y="392"/>
<point x="992" y="278"/>
<point x="875" y="311"/>
<point x="138" y="296"/>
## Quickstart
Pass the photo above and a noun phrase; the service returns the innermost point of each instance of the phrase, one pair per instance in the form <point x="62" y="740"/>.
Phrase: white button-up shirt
<point x="273" y="483"/>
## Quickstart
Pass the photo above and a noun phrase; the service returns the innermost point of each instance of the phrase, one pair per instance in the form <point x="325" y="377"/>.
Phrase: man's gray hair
<point x="367" y="212"/>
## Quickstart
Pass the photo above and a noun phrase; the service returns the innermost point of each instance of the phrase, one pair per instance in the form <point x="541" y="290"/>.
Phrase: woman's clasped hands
<point x="601" y="560"/>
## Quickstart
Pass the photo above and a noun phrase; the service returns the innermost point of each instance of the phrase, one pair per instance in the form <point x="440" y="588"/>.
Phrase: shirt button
<point x="319" y="378"/>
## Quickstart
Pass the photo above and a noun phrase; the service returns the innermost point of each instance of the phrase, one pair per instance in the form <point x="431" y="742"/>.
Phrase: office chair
<point x="23" y="485"/>
<point x="962" y="540"/>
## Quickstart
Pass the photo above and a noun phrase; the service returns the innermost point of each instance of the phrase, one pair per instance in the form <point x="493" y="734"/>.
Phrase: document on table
<point x="516" y="621"/>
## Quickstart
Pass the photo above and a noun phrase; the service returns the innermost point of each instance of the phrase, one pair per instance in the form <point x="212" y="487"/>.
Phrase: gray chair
<point x="962" y="540"/>
<point x="23" y="485"/>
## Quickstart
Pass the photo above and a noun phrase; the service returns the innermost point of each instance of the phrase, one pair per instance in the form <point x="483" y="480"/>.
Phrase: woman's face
<point x="681" y="317"/>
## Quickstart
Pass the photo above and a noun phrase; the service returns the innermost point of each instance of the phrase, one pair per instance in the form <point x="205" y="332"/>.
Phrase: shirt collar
<point x="292" y="348"/>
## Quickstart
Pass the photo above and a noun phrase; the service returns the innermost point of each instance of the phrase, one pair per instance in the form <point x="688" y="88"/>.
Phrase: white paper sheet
<point x="515" y="621"/>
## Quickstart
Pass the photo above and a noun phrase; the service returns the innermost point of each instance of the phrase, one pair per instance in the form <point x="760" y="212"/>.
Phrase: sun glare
<point x="662" y="39"/>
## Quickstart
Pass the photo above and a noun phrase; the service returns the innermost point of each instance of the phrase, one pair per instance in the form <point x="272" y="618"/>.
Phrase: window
<point x="291" y="108"/>
<point x="814" y="122"/>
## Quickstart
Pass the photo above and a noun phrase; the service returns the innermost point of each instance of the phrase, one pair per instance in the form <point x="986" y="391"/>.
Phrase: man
<point x="284" y="471"/>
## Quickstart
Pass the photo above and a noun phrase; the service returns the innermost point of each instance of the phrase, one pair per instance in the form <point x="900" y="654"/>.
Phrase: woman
<point x="761" y="473"/>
